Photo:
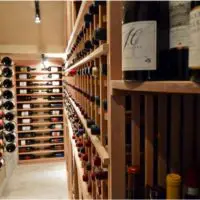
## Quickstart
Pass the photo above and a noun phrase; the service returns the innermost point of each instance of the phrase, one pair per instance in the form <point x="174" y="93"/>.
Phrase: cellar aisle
<point x="37" y="181"/>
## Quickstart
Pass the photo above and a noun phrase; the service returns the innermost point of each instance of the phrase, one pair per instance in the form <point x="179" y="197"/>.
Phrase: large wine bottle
<point x="6" y="61"/>
<point x="179" y="39"/>
<point x="194" y="49"/>
<point x="145" y="40"/>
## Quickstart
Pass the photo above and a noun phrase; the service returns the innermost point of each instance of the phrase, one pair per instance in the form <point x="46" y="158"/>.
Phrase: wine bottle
<point x="27" y="128"/>
<point x="9" y="126"/>
<point x="56" y="140"/>
<point x="54" y="98"/>
<point x="100" y="34"/>
<point x="55" y="76"/>
<point x="179" y="39"/>
<point x="26" y="121"/>
<point x="52" y="69"/>
<point x="24" y="69"/>
<point x="26" y="142"/>
<point x="145" y="40"/>
<point x="6" y="61"/>
<point x="54" y="105"/>
<point x="28" y="106"/>
<point x="7" y="83"/>
<point x="26" y="149"/>
<point x="55" y="119"/>
<point x="55" y="112"/>
<point x="22" y="84"/>
<point x="8" y="105"/>
<point x="26" y="98"/>
<point x="56" y="126"/>
<point x="27" y="157"/>
<point x="194" y="48"/>
<point x="10" y="147"/>
<point x="9" y="116"/>
<point x="95" y="130"/>
<point x="27" y="135"/>
<point x="10" y="137"/>
<point x="27" y="91"/>
<point x="7" y="94"/>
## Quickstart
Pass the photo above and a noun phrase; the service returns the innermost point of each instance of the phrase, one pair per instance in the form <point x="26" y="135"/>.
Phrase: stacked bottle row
<point x="7" y="105"/>
<point x="160" y="40"/>
<point x="89" y="92"/>
<point x="92" y="34"/>
<point x="40" y="112"/>
<point x="94" y="174"/>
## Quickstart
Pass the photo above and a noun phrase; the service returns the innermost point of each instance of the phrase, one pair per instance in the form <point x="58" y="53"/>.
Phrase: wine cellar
<point x="119" y="108"/>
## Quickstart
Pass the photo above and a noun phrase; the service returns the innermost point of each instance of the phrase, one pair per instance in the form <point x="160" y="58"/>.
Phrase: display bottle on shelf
<point x="54" y="105"/>
<point x="56" y="126"/>
<point x="53" y="97"/>
<point x="27" y="106"/>
<point x="56" y="140"/>
<point x="52" y="69"/>
<point x="26" y="149"/>
<point x="27" y="91"/>
<point x="10" y="137"/>
<point x="7" y="94"/>
<point x="58" y="155"/>
<point x="179" y="39"/>
<point x="54" y="83"/>
<point x="56" y="147"/>
<point x="26" y="120"/>
<point x="55" y="119"/>
<point x="194" y="35"/>
<point x="55" y="76"/>
<point x="9" y="126"/>
<point x="9" y="116"/>
<point x="10" y="147"/>
<point x="55" y="112"/>
<point x="27" y="127"/>
<point x="27" y="135"/>
<point x="26" y="98"/>
<point x="24" y="69"/>
<point x="7" y="72"/>
<point x="6" y="61"/>
<point x="54" y="90"/>
<point x="27" y="142"/>
<point x="56" y="133"/>
<point x="27" y="157"/>
<point x="145" y="36"/>
<point x="7" y="83"/>
<point x="8" y="105"/>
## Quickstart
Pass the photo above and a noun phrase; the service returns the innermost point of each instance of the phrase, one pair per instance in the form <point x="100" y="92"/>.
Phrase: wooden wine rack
<point x="41" y="127"/>
<point x="165" y="112"/>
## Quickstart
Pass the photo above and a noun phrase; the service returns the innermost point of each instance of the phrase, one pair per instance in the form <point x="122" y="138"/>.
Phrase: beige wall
<point x="19" y="33"/>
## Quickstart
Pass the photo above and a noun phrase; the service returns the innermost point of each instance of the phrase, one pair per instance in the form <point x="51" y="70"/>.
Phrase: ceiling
<point x="20" y="35"/>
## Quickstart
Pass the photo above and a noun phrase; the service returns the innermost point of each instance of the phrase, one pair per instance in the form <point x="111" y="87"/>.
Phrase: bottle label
<point x="56" y="90"/>
<point x="179" y="23"/>
<point x="23" y="91"/>
<point x="25" y="121"/>
<point x="55" y="83"/>
<point x="55" y="112"/>
<point x="139" y="46"/>
<point x="26" y="128"/>
<point x="23" y="76"/>
<point x="22" y="84"/>
<point x="26" y="106"/>
<point x="54" y="69"/>
<point x="25" y="113"/>
<point x="194" y="49"/>
<point x="23" y="142"/>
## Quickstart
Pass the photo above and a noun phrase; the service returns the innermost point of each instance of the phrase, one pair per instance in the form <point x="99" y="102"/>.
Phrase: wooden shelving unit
<point x="39" y="126"/>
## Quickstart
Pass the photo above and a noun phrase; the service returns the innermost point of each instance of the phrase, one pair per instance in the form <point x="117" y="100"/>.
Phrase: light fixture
<point x="37" y="12"/>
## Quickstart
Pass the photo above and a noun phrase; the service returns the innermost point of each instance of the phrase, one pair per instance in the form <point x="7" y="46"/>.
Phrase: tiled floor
<point x="37" y="181"/>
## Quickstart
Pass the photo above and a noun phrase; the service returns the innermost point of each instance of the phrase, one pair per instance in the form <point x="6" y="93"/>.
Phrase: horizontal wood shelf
<point x="38" y="116"/>
<point x="35" y="80"/>
<point x="40" y="109"/>
<point x="40" y="130"/>
<point x="41" y="152"/>
<point x="94" y="139"/>
<point x="80" y="170"/>
<point x="180" y="87"/>
<point x="101" y="50"/>
<point x="37" y="160"/>
<point x="41" y="137"/>
<point x="38" y="86"/>
<point x="40" y="102"/>
<point x="41" y="94"/>
<point x="40" y="144"/>
<point x="40" y="123"/>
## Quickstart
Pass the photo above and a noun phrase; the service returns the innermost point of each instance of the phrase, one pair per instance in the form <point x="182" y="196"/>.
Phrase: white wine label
<point x="26" y="128"/>
<point x="26" y="121"/>
<point x="25" y="113"/>
<point x="55" y="83"/>
<point x="55" y="76"/>
<point x="23" y="84"/>
<point x="54" y="69"/>
<point x="194" y="48"/>
<point x="23" y="76"/>
<point x="58" y="126"/>
<point x="55" y="112"/>
<point x="139" y="45"/>
<point x="56" y="90"/>
<point x="23" y="143"/>
<point x="179" y="23"/>
<point x="26" y="106"/>
<point x="23" y="91"/>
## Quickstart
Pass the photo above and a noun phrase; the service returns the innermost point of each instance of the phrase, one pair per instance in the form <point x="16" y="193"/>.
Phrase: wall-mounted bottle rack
<point x="40" y="113"/>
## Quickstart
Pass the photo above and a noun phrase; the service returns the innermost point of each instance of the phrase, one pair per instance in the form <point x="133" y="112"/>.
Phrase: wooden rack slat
<point x="39" y="160"/>
<point x="38" y="86"/>
<point x="41" y="152"/>
<point x="180" y="87"/>
<point x="41" y="94"/>
<point x="38" y="116"/>
<point x="40" y="109"/>
<point x="40" y="137"/>
<point x="36" y="80"/>
<point x="40" y="130"/>
<point x="39" y="73"/>
<point x="40" y="102"/>
<point x="40" y="123"/>
<point x="40" y="144"/>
